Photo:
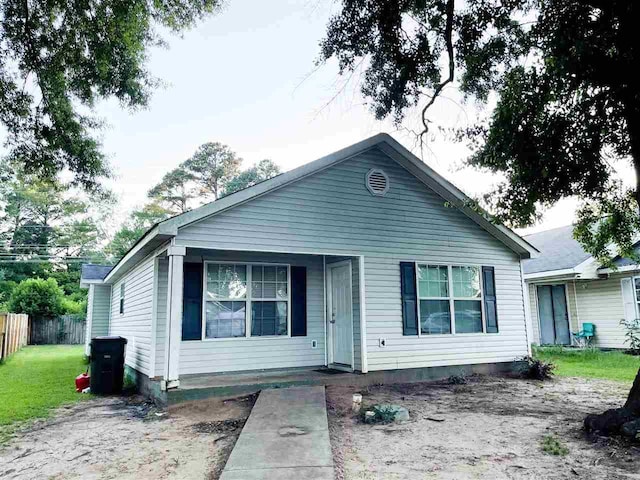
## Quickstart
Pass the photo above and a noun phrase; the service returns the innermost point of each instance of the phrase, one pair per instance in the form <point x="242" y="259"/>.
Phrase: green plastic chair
<point x="585" y="336"/>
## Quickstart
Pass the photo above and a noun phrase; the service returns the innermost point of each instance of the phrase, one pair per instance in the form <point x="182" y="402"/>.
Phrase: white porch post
<point x="174" y="308"/>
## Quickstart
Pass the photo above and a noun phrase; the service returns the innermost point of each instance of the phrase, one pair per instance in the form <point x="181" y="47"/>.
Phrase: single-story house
<point x="568" y="287"/>
<point x="365" y="260"/>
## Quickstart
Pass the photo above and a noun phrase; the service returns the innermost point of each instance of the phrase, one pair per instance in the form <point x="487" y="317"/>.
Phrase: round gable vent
<point x="377" y="182"/>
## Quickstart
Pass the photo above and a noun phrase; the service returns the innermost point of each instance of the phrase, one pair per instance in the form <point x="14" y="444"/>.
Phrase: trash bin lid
<point x="109" y="338"/>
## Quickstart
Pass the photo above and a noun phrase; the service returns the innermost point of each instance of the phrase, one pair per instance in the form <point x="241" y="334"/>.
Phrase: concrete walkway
<point x="285" y="437"/>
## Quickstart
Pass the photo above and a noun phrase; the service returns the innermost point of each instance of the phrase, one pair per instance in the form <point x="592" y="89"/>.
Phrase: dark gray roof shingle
<point x="91" y="271"/>
<point x="558" y="251"/>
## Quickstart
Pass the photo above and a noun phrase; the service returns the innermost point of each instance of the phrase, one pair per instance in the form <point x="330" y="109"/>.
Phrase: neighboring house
<point x="98" y="303"/>
<point x="365" y="260"/>
<point x="568" y="287"/>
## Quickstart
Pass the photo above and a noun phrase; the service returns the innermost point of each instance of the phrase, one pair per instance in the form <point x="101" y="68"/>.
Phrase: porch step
<point x="227" y="385"/>
<point x="198" y="387"/>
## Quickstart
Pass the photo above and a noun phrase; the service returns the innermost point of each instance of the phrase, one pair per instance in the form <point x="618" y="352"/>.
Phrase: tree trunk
<point x="625" y="420"/>
<point x="633" y="399"/>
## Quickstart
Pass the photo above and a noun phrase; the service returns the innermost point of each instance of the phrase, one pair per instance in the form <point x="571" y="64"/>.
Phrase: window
<point x="122" y="298"/>
<point x="269" y="295"/>
<point x="467" y="303"/>
<point x="233" y="290"/>
<point x="433" y="291"/>
<point x="449" y="292"/>
<point x="225" y="301"/>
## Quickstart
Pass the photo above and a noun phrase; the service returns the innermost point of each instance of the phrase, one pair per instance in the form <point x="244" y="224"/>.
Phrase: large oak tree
<point x="59" y="57"/>
<point x="562" y="77"/>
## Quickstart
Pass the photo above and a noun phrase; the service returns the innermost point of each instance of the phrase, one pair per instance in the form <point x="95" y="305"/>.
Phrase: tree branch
<point x="448" y="37"/>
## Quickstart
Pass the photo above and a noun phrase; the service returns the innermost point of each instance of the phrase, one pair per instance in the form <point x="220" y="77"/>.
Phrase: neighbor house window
<point x="246" y="298"/>
<point x="449" y="293"/>
<point x="122" y="298"/>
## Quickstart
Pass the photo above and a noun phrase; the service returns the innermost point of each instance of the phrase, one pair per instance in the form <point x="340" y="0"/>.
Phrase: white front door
<point x="340" y="313"/>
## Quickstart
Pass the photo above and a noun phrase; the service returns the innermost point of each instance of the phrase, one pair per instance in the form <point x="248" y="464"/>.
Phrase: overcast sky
<point x="246" y="78"/>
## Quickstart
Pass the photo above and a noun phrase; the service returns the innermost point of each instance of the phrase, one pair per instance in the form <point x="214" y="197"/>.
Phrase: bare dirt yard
<point x="488" y="428"/>
<point x="115" y="438"/>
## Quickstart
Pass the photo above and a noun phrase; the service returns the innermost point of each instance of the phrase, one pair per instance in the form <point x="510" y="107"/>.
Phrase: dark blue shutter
<point x="490" y="306"/>
<point x="298" y="301"/>
<point x="409" y="298"/>
<point x="192" y="303"/>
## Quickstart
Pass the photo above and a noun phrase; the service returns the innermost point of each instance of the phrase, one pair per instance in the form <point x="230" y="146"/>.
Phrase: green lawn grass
<point x="590" y="363"/>
<point x="37" y="379"/>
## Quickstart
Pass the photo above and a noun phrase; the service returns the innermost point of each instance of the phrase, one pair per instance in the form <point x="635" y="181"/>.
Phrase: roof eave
<point x="150" y="241"/>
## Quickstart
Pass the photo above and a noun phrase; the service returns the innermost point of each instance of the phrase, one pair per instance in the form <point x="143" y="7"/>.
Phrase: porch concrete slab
<point x="286" y="432"/>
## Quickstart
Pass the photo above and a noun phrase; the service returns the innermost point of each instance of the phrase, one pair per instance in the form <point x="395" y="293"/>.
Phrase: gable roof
<point x="167" y="229"/>
<point x="558" y="251"/>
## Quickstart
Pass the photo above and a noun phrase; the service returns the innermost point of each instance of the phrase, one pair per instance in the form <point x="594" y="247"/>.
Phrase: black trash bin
<point x="107" y="364"/>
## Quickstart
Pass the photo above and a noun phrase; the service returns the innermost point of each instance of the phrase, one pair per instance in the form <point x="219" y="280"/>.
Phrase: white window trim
<point x="451" y="300"/>
<point x="635" y="294"/>
<point x="248" y="299"/>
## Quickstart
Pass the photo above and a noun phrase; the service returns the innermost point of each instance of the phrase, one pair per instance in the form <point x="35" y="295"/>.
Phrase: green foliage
<point x="137" y="224"/>
<point x="174" y="191"/>
<point x="6" y="289"/>
<point x="590" y="363"/>
<point x="382" y="414"/>
<point x="211" y="167"/>
<point x="48" y="220"/>
<point x="60" y="58"/>
<point x="74" y="307"/>
<point x="553" y="446"/>
<point x="632" y="335"/>
<point x="37" y="298"/>
<point x="264" y="170"/>
<point x="566" y="105"/>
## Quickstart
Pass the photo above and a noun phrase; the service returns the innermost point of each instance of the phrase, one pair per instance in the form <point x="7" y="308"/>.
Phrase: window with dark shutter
<point x="192" y="304"/>
<point x="490" y="306"/>
<point x="409" y="298"/>
<point x="298" y="301"/>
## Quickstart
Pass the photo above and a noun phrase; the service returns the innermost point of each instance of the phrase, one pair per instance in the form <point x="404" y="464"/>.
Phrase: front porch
<point x="218" y="332"/>
<point x="197" y="387"/>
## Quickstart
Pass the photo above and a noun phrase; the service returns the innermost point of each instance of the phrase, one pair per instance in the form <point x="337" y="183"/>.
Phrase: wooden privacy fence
<point x="14" y="333"/>
<point x="66" y="330"/>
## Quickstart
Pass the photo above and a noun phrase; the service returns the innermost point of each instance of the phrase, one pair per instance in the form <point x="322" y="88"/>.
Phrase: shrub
<point x="37" y="298"/>
<point x="459" y="379"/>
<point x="536" y="369"/>
<point x="73" y="307"/>
<point x="553" y="446"/>
<point x="632" y="335"/>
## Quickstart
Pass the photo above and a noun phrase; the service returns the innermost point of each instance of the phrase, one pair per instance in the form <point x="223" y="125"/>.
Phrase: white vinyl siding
<point x="333" y="212"/>
<point x="98" y="309"/>
<point x="135" y="323"/>
<point x="256" y="353"/>
<point x="600" y="302"/>
<point x="592" y="301"/>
